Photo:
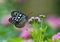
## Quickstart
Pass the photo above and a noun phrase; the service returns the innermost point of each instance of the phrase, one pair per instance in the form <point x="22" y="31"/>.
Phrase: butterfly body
<point x="18" y="19"/>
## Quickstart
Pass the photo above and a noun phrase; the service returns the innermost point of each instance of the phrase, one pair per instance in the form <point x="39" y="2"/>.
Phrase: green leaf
<point x="57" y="40"/>
<point x="16" y="39"/>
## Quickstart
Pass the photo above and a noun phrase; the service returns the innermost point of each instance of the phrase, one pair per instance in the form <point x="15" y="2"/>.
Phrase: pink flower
<point x="25" y="33"/>
<point x="56" y="36"/>
<point x="5" y="20"/>
<point x="28" y="40"/>
<point x="53" y="21"/>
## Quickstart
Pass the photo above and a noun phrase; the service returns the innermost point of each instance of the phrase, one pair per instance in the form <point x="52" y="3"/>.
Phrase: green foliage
<point x="16" y="39"/>
<point x="41" y="31"/>
<point x="8" y="32"/>
<point x="57" y="40"/>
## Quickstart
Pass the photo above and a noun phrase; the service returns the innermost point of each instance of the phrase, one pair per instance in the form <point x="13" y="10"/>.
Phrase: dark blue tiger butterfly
<point x="18" y="19"/>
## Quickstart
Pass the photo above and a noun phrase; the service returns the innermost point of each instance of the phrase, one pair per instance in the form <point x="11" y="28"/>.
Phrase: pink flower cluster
<point x="56" y="36"/>
<point x="53" y="21"/>
<point x="25" y="33"/>
<point x="5" y="20"/>
<point x="28" y="40"/>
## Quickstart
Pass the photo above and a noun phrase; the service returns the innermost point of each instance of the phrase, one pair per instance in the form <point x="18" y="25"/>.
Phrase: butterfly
<point x="18" y="19"/>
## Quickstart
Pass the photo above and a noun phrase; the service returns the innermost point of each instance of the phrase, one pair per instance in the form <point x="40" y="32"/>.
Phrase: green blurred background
<point x="26" y="6"/>
<point x="35" y="6"/>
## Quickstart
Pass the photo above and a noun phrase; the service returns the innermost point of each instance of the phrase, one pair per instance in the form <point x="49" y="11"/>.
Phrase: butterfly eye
<point x="10" y="20"/>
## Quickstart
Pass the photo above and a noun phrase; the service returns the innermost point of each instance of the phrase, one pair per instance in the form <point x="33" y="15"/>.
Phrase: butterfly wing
<point x="18" y="19"/>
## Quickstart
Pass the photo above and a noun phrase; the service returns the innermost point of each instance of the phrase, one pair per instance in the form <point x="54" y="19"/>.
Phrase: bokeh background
<point x="30" y="8"/>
